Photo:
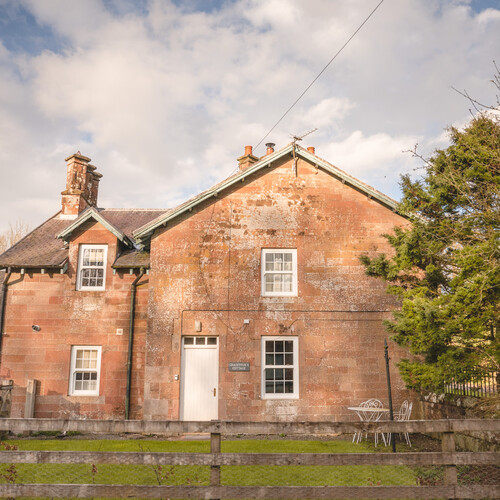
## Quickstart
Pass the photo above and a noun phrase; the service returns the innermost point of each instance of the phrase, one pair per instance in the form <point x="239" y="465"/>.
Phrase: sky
<point x="164" y="96"/>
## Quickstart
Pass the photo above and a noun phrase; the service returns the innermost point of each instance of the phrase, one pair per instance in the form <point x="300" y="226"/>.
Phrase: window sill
<point x="276" y="397"/>
<point x="85" y="397"/>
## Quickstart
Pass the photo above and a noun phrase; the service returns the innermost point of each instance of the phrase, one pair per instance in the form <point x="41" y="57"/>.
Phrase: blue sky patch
<point x="20" y="32"/>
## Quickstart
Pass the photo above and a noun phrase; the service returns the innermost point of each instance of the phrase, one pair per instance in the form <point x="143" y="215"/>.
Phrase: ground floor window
<point x="280" y="367"/>
<point x="85" y="370"/>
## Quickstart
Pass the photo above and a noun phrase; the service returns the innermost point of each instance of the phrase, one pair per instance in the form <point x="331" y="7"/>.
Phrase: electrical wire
<point x="321" y="72"/>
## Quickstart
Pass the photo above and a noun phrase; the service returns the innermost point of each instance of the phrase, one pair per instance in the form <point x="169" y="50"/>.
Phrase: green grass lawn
<point x="200" y="475"/>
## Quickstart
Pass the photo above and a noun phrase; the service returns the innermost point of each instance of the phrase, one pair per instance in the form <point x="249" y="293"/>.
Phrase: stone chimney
<point x="247" y="159"/>
<point x="82" y="185"/>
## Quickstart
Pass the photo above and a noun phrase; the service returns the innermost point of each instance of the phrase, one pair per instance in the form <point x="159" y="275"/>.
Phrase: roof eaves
<point x="20" y="265"/>
<point x="92" y="213"/>
<point x="148" y="229"/>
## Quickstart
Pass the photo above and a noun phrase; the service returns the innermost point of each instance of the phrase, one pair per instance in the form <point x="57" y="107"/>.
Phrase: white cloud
<point x="165" y="98"/>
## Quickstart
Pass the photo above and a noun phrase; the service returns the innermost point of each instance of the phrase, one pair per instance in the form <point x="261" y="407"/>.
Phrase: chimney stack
<point x="247" y="159"/>
<point x="82" y="185"/>
<point x="270" y="148"/>
<point x="311" y="150"/>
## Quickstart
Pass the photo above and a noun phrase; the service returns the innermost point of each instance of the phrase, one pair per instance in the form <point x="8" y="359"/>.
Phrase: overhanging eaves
<point x="92" y="213"/>
<point x="267" y="161"/>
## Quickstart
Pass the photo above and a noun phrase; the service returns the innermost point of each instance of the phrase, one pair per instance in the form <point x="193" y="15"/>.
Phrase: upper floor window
<point x="92" y="267"/>
<point x="279" y="272"/>
<point x="85" y="370"/>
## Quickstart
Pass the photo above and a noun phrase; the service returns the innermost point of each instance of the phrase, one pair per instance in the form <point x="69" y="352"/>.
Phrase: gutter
<point x="5" y="284"/>
<point x="133" y="289"/>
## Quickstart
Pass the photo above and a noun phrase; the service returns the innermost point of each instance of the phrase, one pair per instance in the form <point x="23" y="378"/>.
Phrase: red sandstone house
<point x="246" y="302"/>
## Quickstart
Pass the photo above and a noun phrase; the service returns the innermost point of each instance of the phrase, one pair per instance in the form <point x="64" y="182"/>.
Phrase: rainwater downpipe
<point x="133" y="289"/>
<point x="5" y="284"/>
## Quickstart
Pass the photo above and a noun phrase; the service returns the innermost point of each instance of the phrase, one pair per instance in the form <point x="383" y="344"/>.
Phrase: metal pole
<point x="388" y="374"/>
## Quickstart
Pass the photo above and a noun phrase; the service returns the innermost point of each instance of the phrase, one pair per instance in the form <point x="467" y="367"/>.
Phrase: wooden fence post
<point x="448" y="446"/>
<point x="215" y="447"/>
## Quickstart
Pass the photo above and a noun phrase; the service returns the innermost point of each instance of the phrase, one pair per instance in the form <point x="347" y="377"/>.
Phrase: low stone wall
<point x="448" y="406"/>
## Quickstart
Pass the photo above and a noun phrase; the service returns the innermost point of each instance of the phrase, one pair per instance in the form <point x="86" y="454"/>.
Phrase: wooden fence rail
<point x="170" y="427"/>
<point x="449" y="459"/>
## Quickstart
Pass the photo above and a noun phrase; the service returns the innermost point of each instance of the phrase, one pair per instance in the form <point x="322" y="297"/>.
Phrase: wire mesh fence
<point x="289" y="464"/>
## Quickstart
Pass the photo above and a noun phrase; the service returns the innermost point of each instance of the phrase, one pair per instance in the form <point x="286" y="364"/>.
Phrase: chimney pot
<point x="270" y="148"/>
<point x="311" y="150"/>
<point x="248" y="150"/>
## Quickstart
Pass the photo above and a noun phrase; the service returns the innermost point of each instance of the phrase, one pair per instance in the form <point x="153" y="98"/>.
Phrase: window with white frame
<point x="92" y="267"/>
<point x="279" y="272"/>
<point x="85" y="370"/>
<point x="280" y="367"/>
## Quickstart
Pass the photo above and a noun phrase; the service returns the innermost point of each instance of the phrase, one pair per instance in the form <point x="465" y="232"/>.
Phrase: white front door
<point x="199" y="378"/>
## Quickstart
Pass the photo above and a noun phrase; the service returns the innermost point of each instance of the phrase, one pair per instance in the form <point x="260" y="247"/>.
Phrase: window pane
<point x="212" y="341"/>
<point x="278" y="283"/>
<point x="269" y="346"/>
<point x="188" y="341"/>
<point x="288" y="359"/>
<point x="279" y="388"/>
<point x="288" y="346"/>
<point x="269" y="262"/>
<point x="269" y="373"/>
<point x="289" y="387"/>
<point x="278" y="261"/>
<point x="270" y="359"/>
<point x="269" y="387"/>
<point x="269" y="282"/>
<point x="279" y="346"/>
<point x="287" y="264"/>
<point x="279" y="374"/>
<point x="289" y="374"/>
<point x="279" y="359"/>
<point x="200" y="340"/>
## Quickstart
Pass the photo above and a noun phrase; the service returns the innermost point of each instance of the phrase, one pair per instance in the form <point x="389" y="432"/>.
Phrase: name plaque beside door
<point x="239" y="366"/>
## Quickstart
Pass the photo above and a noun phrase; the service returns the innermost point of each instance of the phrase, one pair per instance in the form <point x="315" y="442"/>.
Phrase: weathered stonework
<point x="205" y="280"/>
<point x="70" y="317"/>
<point x="207" y="267"/>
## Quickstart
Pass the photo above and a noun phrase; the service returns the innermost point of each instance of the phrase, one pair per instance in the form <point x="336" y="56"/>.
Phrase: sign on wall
<point x="239" y="366"/>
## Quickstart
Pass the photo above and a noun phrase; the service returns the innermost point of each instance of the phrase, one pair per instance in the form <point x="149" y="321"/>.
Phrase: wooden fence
<point x="448" y="458"/>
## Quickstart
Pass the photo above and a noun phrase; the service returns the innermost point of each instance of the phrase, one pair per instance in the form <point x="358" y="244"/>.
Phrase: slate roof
<point x="42" y="249"/>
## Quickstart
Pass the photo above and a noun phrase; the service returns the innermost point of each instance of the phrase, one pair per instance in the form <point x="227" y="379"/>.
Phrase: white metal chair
<point x="369" y="415"/>
<point x="404" y="413"/>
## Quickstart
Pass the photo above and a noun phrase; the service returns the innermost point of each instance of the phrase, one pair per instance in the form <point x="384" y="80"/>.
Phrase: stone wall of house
<point x="68" y="317"/>
<point x="206" y="270"/>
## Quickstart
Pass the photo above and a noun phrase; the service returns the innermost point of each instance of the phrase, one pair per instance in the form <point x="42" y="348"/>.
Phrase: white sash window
<point x="92" y="267"/>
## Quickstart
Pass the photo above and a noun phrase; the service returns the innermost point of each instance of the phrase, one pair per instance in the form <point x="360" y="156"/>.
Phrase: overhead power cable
<point x="321" y="72"/>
